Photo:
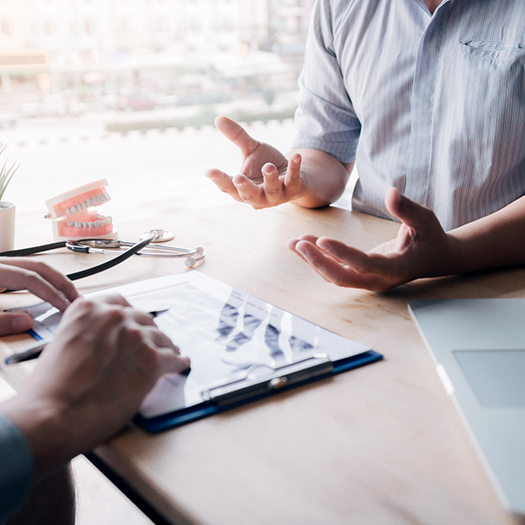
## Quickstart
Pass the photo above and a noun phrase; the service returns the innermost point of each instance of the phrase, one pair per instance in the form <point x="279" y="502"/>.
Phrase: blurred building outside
<point x="69" y="57"/>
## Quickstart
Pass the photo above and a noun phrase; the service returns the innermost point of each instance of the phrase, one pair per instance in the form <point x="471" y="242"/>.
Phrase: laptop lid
<point x="478" y="346"/>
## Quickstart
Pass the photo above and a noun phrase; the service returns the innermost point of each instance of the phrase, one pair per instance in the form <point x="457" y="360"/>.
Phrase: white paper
<point x="223" y="331"/>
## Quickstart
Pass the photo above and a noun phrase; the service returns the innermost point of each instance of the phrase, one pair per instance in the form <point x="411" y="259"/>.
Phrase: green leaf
<point x="6" y="174"/>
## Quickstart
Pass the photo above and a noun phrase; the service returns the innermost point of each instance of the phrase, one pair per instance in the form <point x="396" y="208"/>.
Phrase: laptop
<point x="478" y="346"/>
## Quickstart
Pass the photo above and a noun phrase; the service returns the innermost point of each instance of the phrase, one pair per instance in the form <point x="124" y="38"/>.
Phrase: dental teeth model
<point x="73" y="213"/>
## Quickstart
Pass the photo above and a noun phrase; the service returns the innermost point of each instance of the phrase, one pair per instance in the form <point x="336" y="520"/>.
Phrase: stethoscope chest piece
<point x="162" y="235"/>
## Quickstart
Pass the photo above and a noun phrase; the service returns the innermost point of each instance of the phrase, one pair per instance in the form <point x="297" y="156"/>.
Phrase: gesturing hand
<point x="266" y="176"/>
<point x="38" y="278"/>
<point x="421" y="249"/>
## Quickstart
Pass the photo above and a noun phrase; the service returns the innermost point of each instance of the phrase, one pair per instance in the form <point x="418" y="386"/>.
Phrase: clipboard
<point x="231" y="394"/>
<point x="242" y="348"/>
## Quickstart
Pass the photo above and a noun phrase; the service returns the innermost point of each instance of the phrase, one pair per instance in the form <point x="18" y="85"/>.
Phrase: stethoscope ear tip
<point x="191" y="261"/>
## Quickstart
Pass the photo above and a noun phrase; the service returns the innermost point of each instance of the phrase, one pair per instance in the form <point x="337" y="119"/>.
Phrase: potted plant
<point x="7" y="209"/>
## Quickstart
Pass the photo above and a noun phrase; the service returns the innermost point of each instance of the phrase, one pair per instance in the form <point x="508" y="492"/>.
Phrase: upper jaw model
<point x="74" y="214"/>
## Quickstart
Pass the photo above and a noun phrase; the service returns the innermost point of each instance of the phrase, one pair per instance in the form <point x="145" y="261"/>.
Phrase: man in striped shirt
<point x="427" y="99"/>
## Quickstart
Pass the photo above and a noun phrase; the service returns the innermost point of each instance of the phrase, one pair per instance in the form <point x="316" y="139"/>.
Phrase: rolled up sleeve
<point x="325" y="119"/>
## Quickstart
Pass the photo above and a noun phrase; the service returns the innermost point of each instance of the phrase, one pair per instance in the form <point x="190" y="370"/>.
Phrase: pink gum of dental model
<point x="74" y="217"/>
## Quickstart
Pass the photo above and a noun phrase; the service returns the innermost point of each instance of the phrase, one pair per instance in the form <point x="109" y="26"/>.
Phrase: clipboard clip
<point x="244" y="388"/>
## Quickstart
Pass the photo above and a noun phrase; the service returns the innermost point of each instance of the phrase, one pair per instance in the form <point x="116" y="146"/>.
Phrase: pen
<point x="34" y="350"/>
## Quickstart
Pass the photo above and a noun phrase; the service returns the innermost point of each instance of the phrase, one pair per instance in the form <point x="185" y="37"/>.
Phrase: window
<point x="6" y="27"/>
<point x="196" y="58"/>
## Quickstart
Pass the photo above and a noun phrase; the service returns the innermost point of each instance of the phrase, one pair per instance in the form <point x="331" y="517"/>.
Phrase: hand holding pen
<point x="34" y="350"/>
<point x="104" y="359"/>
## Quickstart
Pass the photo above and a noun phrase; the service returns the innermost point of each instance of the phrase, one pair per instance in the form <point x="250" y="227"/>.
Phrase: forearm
<point x="45" y="431"/>
<point x="494" y="241"/>
<point x="324" y="178"/>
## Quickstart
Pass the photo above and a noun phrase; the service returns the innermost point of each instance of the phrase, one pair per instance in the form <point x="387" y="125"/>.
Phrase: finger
<point x="170" y="363"/>
<point x="333" y="271"/>
<point x="236" y="134"/>
<point x="113" y="299"/>
<point x="308" y="237"/>
<point x="14" y="323"/>
<point x="16" y="278"/>
<point x="163" y="341"/>
<point x="356" y="259"/>
<point x="272" y="183"/>
<point x="292" y="179"/>
<point x="57" y="279"/>
<point x="373" y="270"/>
<point x="224" y="182"/>
<point x="292" y="244"/>
<point x="249" y="192"/>
<point x="407" y="211"/>
<point x="306" y="250"/>
<point x="144" y="319"/>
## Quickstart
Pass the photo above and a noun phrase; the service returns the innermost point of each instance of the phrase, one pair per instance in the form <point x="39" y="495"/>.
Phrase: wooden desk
<point x="377" y="445"/>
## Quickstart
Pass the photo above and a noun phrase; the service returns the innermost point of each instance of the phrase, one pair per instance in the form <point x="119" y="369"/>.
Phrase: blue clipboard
<point x="241" y="348"/>
<point x="280" y="380"/>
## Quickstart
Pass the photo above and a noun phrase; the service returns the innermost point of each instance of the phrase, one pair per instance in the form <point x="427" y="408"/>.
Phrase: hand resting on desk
<point x="18" y="273"/>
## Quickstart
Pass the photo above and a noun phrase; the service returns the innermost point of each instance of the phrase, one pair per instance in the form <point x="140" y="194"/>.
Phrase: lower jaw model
<point x="75" y="216"/>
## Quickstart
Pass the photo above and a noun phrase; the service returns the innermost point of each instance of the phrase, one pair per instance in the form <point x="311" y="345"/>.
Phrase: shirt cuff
<point x="16" y="468"/>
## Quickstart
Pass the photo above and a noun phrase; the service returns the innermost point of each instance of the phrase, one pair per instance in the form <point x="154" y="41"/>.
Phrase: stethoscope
<point x="109" y="246"/>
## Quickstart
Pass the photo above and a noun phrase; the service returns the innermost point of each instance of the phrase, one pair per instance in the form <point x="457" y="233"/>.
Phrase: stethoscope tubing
<point x="193" y="255"/>
<point x="115" y="260"/>
<point x="91" y="246"/>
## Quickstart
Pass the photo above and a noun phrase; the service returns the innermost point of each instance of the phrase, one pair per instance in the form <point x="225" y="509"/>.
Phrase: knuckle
<point x="33" y="278"/>
<point x="40" y="266"/>
<point x="85" y="310"/>
<point x="273" y="192"/>
<point x="407" y="206"/>
<point x="248" y="198"/>
<point x="86" y="304"/>
<point x="148" y="355"/>
<point x="114" y="316"/>
<point x="317" y="264"/>
<point x="136" y="334"/>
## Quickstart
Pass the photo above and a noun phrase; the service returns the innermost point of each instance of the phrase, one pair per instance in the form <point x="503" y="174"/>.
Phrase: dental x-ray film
<point x="223" y="330"/>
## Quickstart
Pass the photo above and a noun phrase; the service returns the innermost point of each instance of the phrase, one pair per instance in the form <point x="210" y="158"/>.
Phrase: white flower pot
<point x="7" y="226"/>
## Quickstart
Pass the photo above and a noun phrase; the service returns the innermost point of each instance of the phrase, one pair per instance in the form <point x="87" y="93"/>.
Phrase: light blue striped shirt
<point x="433" y="105"/>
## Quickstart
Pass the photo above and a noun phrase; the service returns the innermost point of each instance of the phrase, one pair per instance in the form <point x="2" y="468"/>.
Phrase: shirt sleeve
<point x="16" y="468"/>
<point x="325" y="119"/>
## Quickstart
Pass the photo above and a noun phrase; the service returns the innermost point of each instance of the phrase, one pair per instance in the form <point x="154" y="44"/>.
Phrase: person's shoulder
<point x="332" y="12"/>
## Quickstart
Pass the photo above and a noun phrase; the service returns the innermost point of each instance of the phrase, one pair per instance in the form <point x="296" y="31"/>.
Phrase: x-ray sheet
<point x="223" y="331"/>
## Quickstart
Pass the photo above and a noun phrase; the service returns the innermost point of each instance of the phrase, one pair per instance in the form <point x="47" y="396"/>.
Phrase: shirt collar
<point x="423" y="6"/>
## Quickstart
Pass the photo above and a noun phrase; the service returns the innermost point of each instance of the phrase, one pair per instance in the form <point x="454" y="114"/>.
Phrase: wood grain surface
<point x="377" y="445"/>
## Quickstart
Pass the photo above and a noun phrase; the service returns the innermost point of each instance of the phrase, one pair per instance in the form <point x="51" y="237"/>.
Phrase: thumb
<point x="236" y="133"/>
<point x="11" y="323"/>
<point x="407" y="211"/>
